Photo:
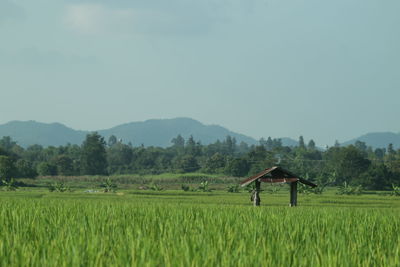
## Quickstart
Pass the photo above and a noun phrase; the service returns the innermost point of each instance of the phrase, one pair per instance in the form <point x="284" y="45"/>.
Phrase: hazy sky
<point x="323" y="69"/>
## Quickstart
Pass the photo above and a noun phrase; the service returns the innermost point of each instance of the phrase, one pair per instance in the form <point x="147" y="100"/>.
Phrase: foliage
<point x="155" y="187"/>
<point x="64" y="165"/>
<point x="237" y="167"/>
<point x="203" y="187"/>
<point x="93" y="155"/>
<point x="10" y="185"/>
<point x="234" y="188"/>
<point x="304" y="189"/>
<point x="59" y="187"/>
<point x="250" y="187"/>
<point x="215" y="164"/>
<point x="7" y="168"/>
<point x="395" y="190"/>
<point x="356" y="164"/>
<point x="346" y="189"/>
<point x="185" y="188"/>
<point x="187" y="163"/>
<point x="109" y="186"/>
<point x="46" y="169"/>
<point x="24" y="169"/>
<point x="274" y="188"/>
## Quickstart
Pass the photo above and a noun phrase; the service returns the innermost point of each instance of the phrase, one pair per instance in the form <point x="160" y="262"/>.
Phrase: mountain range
<point x="155" y="132"/>
<point x="378" y="140"/>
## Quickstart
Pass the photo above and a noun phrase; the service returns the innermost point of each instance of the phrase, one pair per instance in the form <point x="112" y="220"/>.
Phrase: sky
<point x="327" y="70"/>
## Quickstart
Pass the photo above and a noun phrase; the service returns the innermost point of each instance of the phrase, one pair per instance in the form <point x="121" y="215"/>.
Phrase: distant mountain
<point x="378" y="140"/>
<point x="28" y="133"/>
<point x="150" y="132"/>
<point x="161" y="132"/>
<point x="286" y="141"/>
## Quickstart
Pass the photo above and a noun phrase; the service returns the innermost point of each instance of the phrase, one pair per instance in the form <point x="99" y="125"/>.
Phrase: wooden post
<point x="257" y="200"/>
<point x="293" y="194"/>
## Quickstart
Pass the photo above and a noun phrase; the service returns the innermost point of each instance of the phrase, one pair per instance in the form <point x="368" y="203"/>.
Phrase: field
<point x="176" y="228"/>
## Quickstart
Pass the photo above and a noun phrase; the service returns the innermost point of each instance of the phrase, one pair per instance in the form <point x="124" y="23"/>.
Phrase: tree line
<point x="356" y="164"/>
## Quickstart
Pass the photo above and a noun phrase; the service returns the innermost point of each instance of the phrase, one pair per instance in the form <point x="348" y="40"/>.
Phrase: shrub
<point x="274" y="189"/>
<point x="155" y="187"/>
<point x="185" y="188"/>
<point x="109" y="186"/>
<point x="346" y="189"/>
<point x="204" y="187"/>
<point x="304" y="189"/>
<point x="234" y="188"/>
<point x="395" y="190"/>
<point x="60" y="187"/>
<point x="10" y="185"/>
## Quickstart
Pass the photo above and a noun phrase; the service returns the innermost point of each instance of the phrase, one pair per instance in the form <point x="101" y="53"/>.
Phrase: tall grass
<point x="135" y="232"/>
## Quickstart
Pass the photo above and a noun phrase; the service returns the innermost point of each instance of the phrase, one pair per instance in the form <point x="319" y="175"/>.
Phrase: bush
<point x="234" y="188"/>
<point x="46" y="169"/>
<point x="346" y="189"/>
<point x="60" y="187"/>
<point x="304" y="189"/>
<point x="185" y="188"/>
<point x="10" y="185"/>
<point x="155" y="187"/>
<point x="395" y="191"/>
<point x="109" y="186"/>
<point x="274" y="188"/>
<point x="204" y="187"/>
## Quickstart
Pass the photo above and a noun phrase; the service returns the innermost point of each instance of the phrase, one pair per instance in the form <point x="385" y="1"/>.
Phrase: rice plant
<point x="162" y="229"/>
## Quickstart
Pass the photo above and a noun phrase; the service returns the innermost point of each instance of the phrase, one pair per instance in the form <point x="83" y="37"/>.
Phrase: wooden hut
<point x="276" y="175"/>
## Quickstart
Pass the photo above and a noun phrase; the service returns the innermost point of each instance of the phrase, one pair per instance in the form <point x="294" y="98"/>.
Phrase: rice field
<point x="176" y="228"/>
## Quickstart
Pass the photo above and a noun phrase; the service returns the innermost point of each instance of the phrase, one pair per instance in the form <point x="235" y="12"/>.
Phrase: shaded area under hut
<point x="276" y="175"/>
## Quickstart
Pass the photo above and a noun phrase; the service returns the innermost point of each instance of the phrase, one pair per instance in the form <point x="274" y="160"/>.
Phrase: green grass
<point x="176" y="228"/>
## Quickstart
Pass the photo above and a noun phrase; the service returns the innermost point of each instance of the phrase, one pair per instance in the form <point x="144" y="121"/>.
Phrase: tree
<point x="301" y="142"/>
<point x="378" y="177"/>
<point x="242" y="148"/>
<point x="391" y="150"/>
<point x="311" y="145"/>
<point x="238" y="167"/>
<point x="64" y="165"/>
<point x="215" y="164"/>
<point x="263" y="142"/>
<point x="24" y="169"/>
<point x="93" y="156"/>
<point x="119" y="156"/>
<point x="192" y="148"/>
<point x="7" y="143"/>
<point x="269" y="144"/>
<point x="361" y="146"/>
<point x="46" y="169"/>
<point x="178" y="141"/>
<point x="187" y="163"/>
<point x="352" y="163"/>
<point x="230" y="145"/>
<point x="7" y="169"/>
<point x="112" y="140"/>
<point x="380" y="153"/>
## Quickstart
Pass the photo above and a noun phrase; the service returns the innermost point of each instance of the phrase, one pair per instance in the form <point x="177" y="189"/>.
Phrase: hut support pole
<point x="293" y="194"/>
<point x="256" y="199"/>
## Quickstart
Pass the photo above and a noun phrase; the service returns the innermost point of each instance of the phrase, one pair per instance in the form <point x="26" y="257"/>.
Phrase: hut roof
<point x="276" y="175"/>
